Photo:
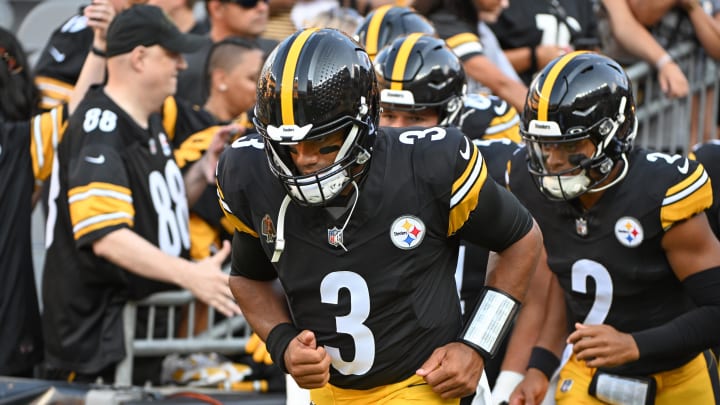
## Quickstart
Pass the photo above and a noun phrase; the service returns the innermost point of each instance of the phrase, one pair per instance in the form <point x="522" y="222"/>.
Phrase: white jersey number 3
<point x="351" y="324"/>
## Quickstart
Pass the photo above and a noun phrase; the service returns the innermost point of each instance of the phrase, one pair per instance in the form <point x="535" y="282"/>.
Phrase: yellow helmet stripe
<point x="549" y="83"/>
<point x="401" y="59"/>
<point x="371" y="40"/>
<point x="288" y="77"/>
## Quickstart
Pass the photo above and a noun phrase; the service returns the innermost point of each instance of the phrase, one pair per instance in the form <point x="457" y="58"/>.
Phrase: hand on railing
<point x="210" y="285"/>
<point x="673" y="82"/>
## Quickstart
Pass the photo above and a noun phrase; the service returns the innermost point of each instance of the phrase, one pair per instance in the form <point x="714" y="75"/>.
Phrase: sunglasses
<point x="247" y="4"/>
<point x="10" y="60"/>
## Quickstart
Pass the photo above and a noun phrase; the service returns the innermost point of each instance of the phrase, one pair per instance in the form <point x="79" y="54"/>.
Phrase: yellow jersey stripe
<point x="193" y="148"/>
<point x="46" y="130"/>
<point x="683" y="185"/>
<point x="371" y="40"/>
<point x="288" y="77"/>
<point x="457" y="184"/>
<point x="53" y="91"/>
<point x="79" y="232"/>
<point x="169" y="116"/>
<point x="694" y="199"/>
<point x="460" y="39"/>
<point x="100" y="187"/>
<point x="401" y="59"/>
<point x="465" y="199"/>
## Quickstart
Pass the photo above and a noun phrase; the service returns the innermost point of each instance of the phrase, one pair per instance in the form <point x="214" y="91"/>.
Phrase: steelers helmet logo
<point x="629" y="232"/>
<point x="407" y="232"/>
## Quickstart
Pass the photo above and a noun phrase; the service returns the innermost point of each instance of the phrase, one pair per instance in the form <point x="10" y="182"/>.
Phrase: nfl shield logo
<point x="335" y="237"/>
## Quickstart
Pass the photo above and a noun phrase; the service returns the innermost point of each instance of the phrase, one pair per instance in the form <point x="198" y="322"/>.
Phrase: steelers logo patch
<point x="629" y="232"/>
<point x="407" y="232"/>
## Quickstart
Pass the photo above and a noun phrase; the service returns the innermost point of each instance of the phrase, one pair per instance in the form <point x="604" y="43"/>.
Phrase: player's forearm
<point x="515" y="265"/>
<point x="529" y="321"/>
<point x="554" y="329"/>
<point x="262" y="302"/>
<point x="133" y="253"/>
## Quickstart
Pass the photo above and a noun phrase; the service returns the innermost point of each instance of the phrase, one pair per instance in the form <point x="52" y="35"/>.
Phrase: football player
<point x="628" y="243"/>
<point x="422" y="83"/>
<point x="384" y="24"/>
<point x="361" y="227"/>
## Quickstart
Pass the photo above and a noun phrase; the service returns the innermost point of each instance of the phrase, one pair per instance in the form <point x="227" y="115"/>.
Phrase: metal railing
<point x="227" y="336"/>
<point x="667" y="124"/>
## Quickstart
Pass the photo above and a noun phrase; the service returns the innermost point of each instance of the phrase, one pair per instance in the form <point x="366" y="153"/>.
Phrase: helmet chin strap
<point x="280" y="233"/>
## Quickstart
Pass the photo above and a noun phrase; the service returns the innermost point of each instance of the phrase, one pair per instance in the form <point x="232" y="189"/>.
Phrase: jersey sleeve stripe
<point x="470" y="170"/>
<point x="193" y="147"/>
<point x="99" y="222"/>
<point x="169" y="115"/>
<point x="465" y="51"/>
<point x="465" y="199"/>
<point x="96" y="203"/>
<point x="235" y="221"/>
<point x="47" y="130"/>
<point x="675" y="192"/>
<point x="501" y="124"/>
<point x="691" y="200"/>
<point x="53" y="91"/>
<point x="461" y="39"/>
<point x="121" y="192"/>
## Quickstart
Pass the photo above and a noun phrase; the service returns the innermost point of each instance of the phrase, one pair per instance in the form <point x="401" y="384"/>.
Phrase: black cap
<point x="147" y="25"/>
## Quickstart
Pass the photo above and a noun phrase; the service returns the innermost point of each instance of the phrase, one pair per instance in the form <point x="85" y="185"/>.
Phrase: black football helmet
<point x="388" y="22"/>
<point x="317" y="82"/>
<point x="580" y="95"/>
<point x="416" y="72"/>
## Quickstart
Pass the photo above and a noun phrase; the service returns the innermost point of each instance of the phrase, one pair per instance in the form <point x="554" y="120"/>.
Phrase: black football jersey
<point x="381" y="307"/>
<point x="489" y="117"/>
<point x="709" y="155"/>
<point x="61" y="61"/>
<point x="27" y="151"/>
<point x="609" y="259"/>
<point x="112" y="174"/>
<point x="538" y="22"/>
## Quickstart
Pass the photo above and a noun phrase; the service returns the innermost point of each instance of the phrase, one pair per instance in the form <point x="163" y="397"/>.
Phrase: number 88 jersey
<point x="110" y="174"/>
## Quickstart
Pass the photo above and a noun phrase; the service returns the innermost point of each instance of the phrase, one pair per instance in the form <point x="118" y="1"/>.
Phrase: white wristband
<point x="664" y="60"/>
<point x="504" y="385"/>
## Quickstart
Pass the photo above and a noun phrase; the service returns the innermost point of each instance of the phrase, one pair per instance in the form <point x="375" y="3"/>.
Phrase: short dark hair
<point x="224" y="55"/>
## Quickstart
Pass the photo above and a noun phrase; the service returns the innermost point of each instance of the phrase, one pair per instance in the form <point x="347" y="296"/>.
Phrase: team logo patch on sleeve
<point x="407" y="232"/>
<point x="629" y="232"/>
<point x="268" y="229"/>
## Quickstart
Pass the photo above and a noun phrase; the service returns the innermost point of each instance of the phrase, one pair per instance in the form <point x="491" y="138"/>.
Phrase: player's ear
<point x="138" y="57"/>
